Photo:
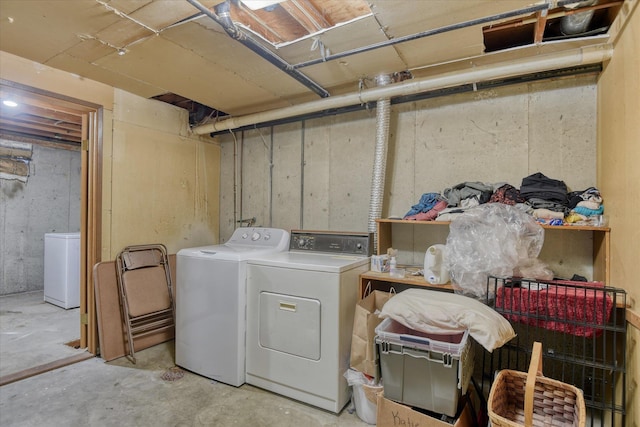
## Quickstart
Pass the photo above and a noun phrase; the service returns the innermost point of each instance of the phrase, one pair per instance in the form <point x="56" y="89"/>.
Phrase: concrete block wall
<point x="49" y="202"/>
<point x="316" y="174"/>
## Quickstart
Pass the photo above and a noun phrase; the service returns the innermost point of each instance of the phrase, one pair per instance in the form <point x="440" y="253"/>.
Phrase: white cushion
<point x="440" y="312"/>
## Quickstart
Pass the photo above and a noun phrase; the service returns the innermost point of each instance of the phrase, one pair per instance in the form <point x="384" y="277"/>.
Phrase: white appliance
<point x="62" y="269"/>
<point x="211" y="302"/>
<point x="435" y="265"/>
<point x="300" y="307"/>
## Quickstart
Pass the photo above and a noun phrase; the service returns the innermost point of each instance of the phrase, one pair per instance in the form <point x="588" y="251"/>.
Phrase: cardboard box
<point x="380" y="263"/>
<point x="391" y="414"/>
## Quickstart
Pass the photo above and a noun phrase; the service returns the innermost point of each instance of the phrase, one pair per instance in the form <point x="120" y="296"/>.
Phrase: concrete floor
<point x="33" y="332"/>
<point x="119" y="393"/>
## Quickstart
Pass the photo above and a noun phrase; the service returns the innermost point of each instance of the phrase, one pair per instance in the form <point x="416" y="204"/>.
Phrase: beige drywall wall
<point x="619" y="178"/>
<point x="159" y="184"/>
<point x="164" y="183"/>
<point x="317" y="174"/>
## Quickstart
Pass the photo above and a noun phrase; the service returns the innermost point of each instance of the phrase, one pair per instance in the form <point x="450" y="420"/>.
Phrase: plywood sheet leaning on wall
<point x="111" y="331"/>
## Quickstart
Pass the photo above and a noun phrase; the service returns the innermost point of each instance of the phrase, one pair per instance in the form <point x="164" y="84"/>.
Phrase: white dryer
<point x="211" y="302"/>
<point x="300" y="307"/>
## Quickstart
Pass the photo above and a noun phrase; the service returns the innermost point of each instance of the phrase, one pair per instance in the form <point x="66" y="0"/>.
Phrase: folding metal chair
<point x="146" y="294"/>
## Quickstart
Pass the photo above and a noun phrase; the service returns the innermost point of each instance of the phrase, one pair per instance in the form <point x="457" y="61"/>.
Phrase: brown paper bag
<point x="363" y="338"/>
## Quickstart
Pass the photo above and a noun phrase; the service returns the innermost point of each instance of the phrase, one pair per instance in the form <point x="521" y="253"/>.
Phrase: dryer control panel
<point x="339" y="242"/>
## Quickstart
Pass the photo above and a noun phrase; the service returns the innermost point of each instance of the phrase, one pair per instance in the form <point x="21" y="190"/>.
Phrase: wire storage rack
<point x="582" y="327"/>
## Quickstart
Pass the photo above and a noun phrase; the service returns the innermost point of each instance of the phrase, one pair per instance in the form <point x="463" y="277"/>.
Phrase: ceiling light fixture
<point x="10" y="103"/>
<point x="260" y="4"/>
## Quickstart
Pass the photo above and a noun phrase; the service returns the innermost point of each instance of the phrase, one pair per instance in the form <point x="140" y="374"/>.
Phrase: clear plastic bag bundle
<point x="493" y="239"/>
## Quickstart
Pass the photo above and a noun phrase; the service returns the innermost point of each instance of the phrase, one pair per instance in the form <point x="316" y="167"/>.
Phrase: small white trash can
<point x="364" y="395"/>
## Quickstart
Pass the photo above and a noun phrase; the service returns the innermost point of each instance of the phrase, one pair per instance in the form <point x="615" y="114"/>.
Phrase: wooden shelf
<point x="440" y="223"/>
<point x="601" y="241"/>
<point x="384" y="281"/>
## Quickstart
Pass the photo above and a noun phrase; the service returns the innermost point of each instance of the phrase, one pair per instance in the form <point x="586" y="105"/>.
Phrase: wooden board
<point x="111" y="332"/>
<point x="633" y="318"/>
<point x="37" y="370"/>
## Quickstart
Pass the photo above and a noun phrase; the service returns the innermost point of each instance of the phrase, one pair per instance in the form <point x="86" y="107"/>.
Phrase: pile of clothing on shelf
<point x="585" y="205"/>
<point x="546" y="199"/>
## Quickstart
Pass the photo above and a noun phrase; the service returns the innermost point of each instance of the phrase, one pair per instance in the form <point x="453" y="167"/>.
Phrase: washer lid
<point x="245" y="242"/>
<point x="227" y="252"/>
<point x="311" y="261"/>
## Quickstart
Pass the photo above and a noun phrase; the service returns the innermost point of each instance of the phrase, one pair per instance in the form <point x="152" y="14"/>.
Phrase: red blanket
<point x="575" y="308"/>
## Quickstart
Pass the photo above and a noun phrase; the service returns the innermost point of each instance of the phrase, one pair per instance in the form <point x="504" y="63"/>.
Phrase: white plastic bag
<point x="364" y="395"/>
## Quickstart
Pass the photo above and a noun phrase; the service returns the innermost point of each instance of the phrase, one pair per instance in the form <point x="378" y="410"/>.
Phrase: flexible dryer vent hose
<point x="380" y="161"/>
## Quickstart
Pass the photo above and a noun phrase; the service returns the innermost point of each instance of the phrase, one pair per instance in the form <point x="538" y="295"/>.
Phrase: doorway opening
<point x="36" y="120"/>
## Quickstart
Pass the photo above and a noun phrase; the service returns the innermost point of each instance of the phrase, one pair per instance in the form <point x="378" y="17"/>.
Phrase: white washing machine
<point x="211" y="302"/>
<point x="300" y="307"/>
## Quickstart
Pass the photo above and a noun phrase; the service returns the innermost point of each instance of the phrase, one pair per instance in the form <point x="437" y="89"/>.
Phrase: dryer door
<point x="290" y="324"/>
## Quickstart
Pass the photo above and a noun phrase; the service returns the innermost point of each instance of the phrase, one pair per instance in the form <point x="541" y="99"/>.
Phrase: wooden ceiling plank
<point x="54" y="124"/>
<point x="553" y="14"/>
<point x="42" y="101"/>
<point x="28" y="127"/>
<point x="37" y="132"/>
<point x="338" y="11"/>
<point x="52" y="127"/>
<point x="306" y="14"/>
<point x="61" y="106"/>
<point x="53" y="115"/>
<point x="541" y="23"/>
<point x="58" y="145"/>
<point x="257" y="24"/>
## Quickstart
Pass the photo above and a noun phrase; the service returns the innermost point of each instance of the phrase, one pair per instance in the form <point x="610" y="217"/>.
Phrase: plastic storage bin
<point x="62" y="269"/>
<point x="428" y="371"/>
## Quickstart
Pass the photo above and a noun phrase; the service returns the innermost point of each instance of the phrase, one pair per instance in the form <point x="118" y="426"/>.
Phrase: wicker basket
<point x="529" y="399"/>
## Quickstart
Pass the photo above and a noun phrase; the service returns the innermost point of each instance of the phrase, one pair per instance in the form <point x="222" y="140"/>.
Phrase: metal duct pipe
<point x="577" y="23"/>
<point x="383" y="114"/>
<point x="223" y="18"/>
<point x="551" y="61"/>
